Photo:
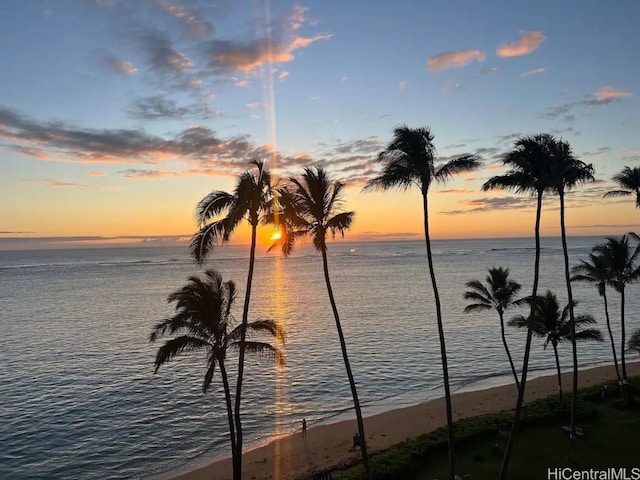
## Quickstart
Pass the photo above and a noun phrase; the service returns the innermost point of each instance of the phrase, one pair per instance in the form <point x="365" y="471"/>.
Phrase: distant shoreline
<point x="328" y="445"/>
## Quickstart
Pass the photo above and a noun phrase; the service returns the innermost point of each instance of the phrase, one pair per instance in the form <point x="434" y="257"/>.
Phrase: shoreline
<point x="327" y="446"/>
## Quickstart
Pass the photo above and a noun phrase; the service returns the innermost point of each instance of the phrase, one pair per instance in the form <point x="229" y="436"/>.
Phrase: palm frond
<point x="175" y="346"/>
<point x="617" y="193"/>
<point x="263" y="350"/>
<point x="592" y="334"/>
<point x="340" y="223"/>
<point x="633" y="345"/>
<point x="212" y="205"/>
<point x="205" y="239"/>
<point x="457" y="166"/>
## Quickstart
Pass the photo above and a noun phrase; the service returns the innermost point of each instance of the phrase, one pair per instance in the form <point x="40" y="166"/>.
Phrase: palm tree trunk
<point x="613" y="343"/>
<point x="347" y="365"/>
<point x="572" y="324"/>
<point x="227" y="397"/>
<point x="625" y="383"/>
<point x="555" y="352"/>
<point x="527" y="350"/>
<point x="443" y="350"/>
<point x="243" y="333"/>
<point x="506" y="347"/>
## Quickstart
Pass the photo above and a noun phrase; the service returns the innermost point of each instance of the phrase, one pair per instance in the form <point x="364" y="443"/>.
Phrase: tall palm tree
<point x="218" y="215"/>
<point x="203" y="323"/>
<point x="569" y="173"/>
<point x="634" y="342"/>
<point x="622" y="261"/>
<point x="629" y="182"/>
<point x="596" y="271"/>
<point x="499" y="294"/>
<point x="409" y="160"/>
<point x="311" y="206"/>
<point x="530" y="171"/>
<point x="555" y="326"/>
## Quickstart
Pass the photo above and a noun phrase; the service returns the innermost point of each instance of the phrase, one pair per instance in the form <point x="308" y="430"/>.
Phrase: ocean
<point x="79" y="399"/>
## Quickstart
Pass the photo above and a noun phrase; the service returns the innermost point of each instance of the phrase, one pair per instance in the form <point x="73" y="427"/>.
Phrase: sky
<point x="117" y="117"/>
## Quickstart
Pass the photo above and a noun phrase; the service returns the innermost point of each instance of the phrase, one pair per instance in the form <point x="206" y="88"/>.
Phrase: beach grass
<point x="609" y="441"/>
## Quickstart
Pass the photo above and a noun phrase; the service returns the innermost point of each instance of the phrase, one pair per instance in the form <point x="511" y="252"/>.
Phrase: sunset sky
<point x="117" y="117"/>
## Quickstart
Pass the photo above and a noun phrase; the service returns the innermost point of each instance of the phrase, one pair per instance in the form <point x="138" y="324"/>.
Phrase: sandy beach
<point x="326" y="446"/>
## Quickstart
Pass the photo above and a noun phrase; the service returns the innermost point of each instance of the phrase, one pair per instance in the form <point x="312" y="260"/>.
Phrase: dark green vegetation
<point x="610" y="440"/>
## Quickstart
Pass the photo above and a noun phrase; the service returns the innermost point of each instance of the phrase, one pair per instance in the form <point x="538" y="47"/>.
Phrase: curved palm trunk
<point x="625" y="382"/>
<point x="572" y="324"/>
<point x="443" y="350"/>
<point x="527" y="350"/>
<point x="227" y="398"/>
<point x="345" y="357"/>
<point x="555" y="352"/>
<point x="613" y="343"/>
<point x="506" y="347"/>
<point x="245" y="320"/>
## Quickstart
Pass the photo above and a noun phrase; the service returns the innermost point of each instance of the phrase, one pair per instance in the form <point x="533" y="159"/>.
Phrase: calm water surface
<point x="79" y="400"/>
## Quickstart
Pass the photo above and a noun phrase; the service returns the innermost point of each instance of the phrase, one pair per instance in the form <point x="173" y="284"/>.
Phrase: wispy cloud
<point x="529" y="42"/>
<point x="231" y="56"/>
<point x="491" y="204"/>
<point x="120" y="66"/>
<point x="162" y="56"/>
<point x="51" y="183"/>
<point x="196" y="25"/>
<point x="282" y="75"/>
<point x="403" y="85"/>
<point x="59" y="142"/>
<point x="606" y="95"/>
<point x="253" y="105"/>
<point x="535" y="71"/>
<point x="456" y="59"/>
<point x="161" y="108"/>
<point x="491" y="70"/>
<point x="97" y="173"/>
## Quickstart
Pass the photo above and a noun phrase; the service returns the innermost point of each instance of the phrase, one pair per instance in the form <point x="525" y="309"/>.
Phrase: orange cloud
<point x="97" y="173"/>
<point x="120" y="66"/>
<point x="244" y="57"/>
<point x="457" y="59"/>
<point x="529" y="42"/>
<point x="606" y="94"/>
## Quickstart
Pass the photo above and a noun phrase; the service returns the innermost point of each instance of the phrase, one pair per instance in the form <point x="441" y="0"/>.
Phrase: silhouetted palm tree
<point x="409" y="161"/>
<point x="634" y="342"/>
<point x="530" y="171"/>
<point x="569" y="173"/>
<point x="218" y="215"/>
<point x="596" y="271"/>
<point x="499" y="294"/>
<point x="622" y="261"/>
<point x="629" y="181"/>
<point x="203" y="323"/>
<point x="311" y="206"/>
<point x="555" y="326"/>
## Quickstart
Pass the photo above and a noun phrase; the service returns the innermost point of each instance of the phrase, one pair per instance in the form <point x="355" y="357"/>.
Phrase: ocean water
<point x="79" y="400"/>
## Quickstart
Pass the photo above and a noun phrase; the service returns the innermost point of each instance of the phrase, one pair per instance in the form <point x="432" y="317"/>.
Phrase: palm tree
<point x="203" y="323"/>
<point x="218" y="215"/>
<point x="596" y="271"/>
<point x="555" y="326"/>
<point x="629" y="181"/>
<point x="409" y="160"/>
<point x="531" y="171"/>
<point x="569" y="173"/>
<point x="311" y="206"/>
<point x="621" y="258"/>
<point x="498" y="295"/>
<point x="634" y="342"/>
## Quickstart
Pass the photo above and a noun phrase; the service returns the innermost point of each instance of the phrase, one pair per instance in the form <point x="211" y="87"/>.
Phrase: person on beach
<point x="304" y="427"/>
<point x="356" y="441"/>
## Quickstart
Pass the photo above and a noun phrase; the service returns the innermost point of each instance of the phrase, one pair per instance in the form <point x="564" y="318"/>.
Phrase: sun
<point x="276" y="236"/>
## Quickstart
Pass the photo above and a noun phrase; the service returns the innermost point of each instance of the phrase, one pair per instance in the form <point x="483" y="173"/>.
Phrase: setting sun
<point x="276" y="236"/>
